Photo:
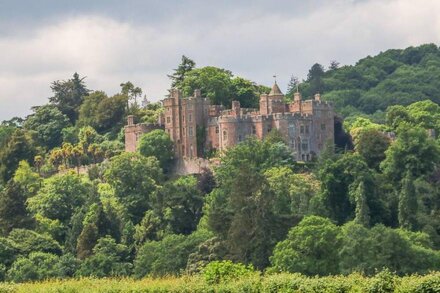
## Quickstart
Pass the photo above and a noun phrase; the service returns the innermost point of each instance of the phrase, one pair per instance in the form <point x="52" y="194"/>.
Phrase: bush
<point x="383" y="282"/>
<point x="225" y="271"/>
<point x="38" y="266"/>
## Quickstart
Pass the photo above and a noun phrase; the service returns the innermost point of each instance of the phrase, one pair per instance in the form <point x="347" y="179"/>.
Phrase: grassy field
<point x="383" y="282"/>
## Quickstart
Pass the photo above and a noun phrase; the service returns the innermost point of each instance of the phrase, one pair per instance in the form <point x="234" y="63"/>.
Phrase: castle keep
<point x="196" y="127"/>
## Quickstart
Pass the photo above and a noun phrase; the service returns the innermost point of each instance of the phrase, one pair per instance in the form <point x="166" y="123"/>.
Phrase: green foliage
<point x="157" y="143"/>
<point x="109" y="259"/>
<point x="134" y="178"/>
<point x="180" y="72"/>
<point x="413" y="152"/>
<point x="48" y="123"/>
<point x="8" y="252"/>
<point x="374" y="83"/>
<point x="68" y="96"/>
<point x="371" y="144"/>
<point x="241" y="210"/>
<point x="225" y="271"/>
<point x="103" y="113"/>
<point x="20" y="146"/>
<point x="60" y="196"/>
<point x="310" y="248"/>
<point x="36" y="266"/>
<point x="249" y="283"/>
<point x="179" y="204"/>
<point x="13" y="213"/>
<point x="168" y="256"/>
<point x="221" y="87"/>
<point x="28" y="241"/>
<point x="408" y="204"/>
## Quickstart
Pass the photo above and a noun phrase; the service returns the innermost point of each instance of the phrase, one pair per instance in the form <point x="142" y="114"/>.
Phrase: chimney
<point x="317" y="97"/>
<point x="297" y="97"/>
<point x="264" y="104"/>
<point x="130" y="120"/>
<point x="236" y="108"/>
<point x="176" y="94"/>
<point x="197" y="93"/>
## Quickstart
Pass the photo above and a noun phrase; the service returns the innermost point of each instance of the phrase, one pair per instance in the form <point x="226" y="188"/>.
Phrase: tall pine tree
<point x="408" y="203"/>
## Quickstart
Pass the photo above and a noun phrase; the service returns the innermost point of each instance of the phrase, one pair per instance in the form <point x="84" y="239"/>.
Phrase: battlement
<point x="305" y="124"/>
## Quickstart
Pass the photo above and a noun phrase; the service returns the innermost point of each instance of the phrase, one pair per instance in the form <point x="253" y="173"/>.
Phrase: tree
<point x="241" y="210"/>
<point x="28" y="241"/>
<point x="20" y="146"/>
<point x="60" y="196"/>
<point x="408" y="204"/>
<point x="13" y="213"/>
<point x="68" y="96"/>
<point x="371" y="144"/>
<point x="337" y="177"/>
<point x="103" y="113"/>
<point x="48" y="122"/>
<point x="157" y="143"/>
<point x="134" y="178"/>
<point x="315" y="78"/>
<point x="246" y="92"/>
<point x="168" y="256"/>
<point x="179" y="203"/>
<point x="86" y="241"/>
<point x="109" y="259"/>
<point x="334" y="65"/>
<point x="413" y="151"/>
<point x="214" y="83"/>
<point x="37" y="266"/>
<point x="185" y="66"/>
<point x="362" y="210"/>
<point x="310" y="248"/>
<point x="130" y="91"/>
<point x="292" y="86"/>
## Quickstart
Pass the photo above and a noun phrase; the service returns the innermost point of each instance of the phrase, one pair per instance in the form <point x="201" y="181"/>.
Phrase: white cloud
<point x="250" y="42"/>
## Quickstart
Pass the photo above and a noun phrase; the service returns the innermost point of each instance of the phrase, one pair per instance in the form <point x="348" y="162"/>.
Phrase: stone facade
<point x="196" y="126"/>
<point x="134" y="131"/>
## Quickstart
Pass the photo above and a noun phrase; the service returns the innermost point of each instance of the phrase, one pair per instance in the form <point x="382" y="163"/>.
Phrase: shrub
<point x="225" y="271"/>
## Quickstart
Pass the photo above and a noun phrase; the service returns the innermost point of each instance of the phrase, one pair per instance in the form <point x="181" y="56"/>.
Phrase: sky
<point x="110" y="42"/>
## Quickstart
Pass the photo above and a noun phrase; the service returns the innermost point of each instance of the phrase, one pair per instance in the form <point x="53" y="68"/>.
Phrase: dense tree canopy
<point x="74" y="204"/>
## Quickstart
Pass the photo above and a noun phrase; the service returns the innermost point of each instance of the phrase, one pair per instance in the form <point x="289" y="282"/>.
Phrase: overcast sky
<point x="114" y="41"/>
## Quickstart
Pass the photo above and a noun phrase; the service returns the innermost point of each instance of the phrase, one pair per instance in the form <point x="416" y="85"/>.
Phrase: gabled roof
<point x="275" y="91"/>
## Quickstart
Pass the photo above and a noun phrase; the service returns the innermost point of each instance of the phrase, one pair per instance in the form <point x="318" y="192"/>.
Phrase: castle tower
<point x="276" y="100"/>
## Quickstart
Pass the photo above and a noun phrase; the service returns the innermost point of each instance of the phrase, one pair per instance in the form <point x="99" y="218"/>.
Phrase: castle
<point x="197" y="127"/>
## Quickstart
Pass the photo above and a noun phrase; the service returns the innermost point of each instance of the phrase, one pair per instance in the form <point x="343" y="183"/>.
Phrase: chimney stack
<point x="130" y="120"/>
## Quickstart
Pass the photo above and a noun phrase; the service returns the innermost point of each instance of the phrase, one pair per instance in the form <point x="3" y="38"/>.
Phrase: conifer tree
<point x="184" y="67"/>
<point x="362" y="210"/>
<point x="408" y="203"/>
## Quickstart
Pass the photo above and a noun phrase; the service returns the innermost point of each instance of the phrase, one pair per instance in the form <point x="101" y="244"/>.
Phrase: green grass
<point x="383" y="282"/>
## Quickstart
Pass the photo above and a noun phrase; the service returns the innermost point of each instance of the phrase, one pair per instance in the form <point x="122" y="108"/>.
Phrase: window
<point x="225" y="135"/>
<point x="304" y="145"/>
<point x="322" y="126"/>
<point x="168" y="119"/>
<point x="254" y="130"/>
<point x="216" y="129"/>
<point x="301" y="130"/>
<point x="190" y="118"/>
<point x="184" y="131"/>
<point x="291" y="129"/>
<point x="190" y="132"/>
<point x="183" y="118"/>
<point x="239" y="137"/>
<point x="269" y="129"/>
<point x="307" y="129"/>
<point x="292" y="143"/>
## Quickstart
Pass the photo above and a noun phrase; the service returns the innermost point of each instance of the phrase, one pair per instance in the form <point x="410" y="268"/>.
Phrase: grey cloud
<point x="142" y="42"/>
